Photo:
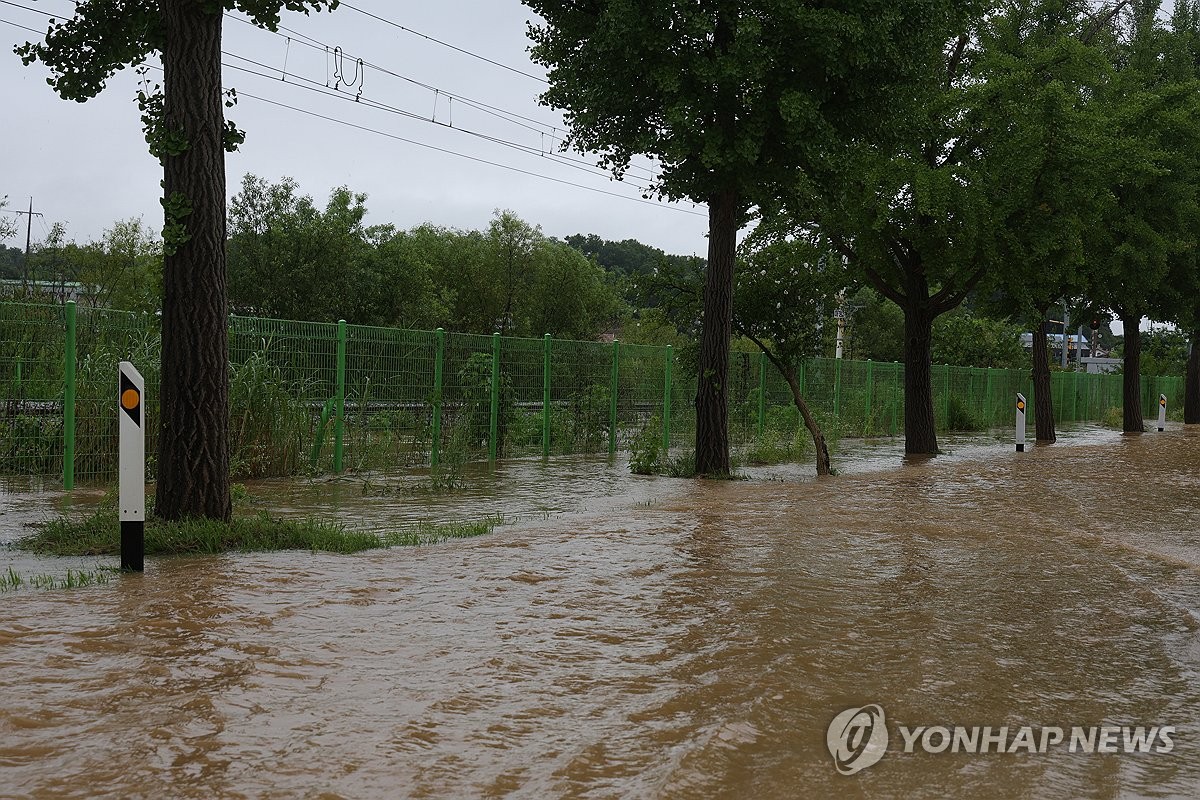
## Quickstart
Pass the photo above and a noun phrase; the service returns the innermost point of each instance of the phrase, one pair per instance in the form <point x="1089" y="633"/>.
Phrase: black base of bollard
<point x="133" y="545"/>
<point x="1020" y="448"/>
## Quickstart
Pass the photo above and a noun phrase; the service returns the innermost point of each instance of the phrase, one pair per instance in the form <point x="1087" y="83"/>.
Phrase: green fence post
<point x="438" y="360"/>
<point x="1074" y="401"/>
<point x="837" y="388"/>
<point x="946" y="395"/>
<point x="667" y="398"/>
<point x="869" y="418"/>
<point x="762" y="393"/>
<point x="987" y="399"/>
<point x="69" y="400"/>
<point x="494" y="428"/>
<point x="1089" y="384"/>
<point x="339" y="421"/>
<point x="800" y="381"/>
<point x="546" y="396"/>
<point x="612" y="399"/>
<point x="896" y="380"/>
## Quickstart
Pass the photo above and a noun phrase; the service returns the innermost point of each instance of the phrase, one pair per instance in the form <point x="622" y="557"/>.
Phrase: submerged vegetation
<point x="97" y="535"/>
<point x="10" y="580"/>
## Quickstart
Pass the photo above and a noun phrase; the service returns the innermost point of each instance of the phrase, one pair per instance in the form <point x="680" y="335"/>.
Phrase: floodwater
<point x="636" y="637"/>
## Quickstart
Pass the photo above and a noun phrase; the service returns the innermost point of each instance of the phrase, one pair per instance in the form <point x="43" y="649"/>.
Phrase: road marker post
<point x="131" y="464"/>
<point x="1021" y="404"/>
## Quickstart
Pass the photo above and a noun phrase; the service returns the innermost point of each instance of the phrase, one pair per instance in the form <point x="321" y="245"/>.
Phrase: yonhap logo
<point x="857" y="738"/>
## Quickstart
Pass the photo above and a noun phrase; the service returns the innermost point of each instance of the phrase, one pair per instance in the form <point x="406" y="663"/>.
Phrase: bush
<point x="645" y="457"/>
<point x="960" y="417"/>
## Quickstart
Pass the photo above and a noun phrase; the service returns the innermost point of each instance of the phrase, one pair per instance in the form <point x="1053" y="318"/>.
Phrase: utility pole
<point x="28" y="236"/>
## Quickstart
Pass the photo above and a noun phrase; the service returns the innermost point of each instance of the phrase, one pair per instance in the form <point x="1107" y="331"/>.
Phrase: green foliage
<point x="8" y="225"/>
<point x="1165" y="352"/>
<point x="1113" y="418"/>
<point x="475" y="382"/>
<point x="962" y="338"/>
<point x="177" y="208"/>
<point x="645" y="456"/>
<point x="960" y="416"/>
<point x="289" y="259"/>
<point x="628" y="257"/>
<point x="269" y="420"/>
<point x="10" y="580"/>
<point x="669" y="79"/>
<point x="778" y="445"/>
<point x="94" y="536"/>
<point x="83" y="52"/>
<point x="683" y="466"/>
<point x="29" y="444"/>
<point x="875" y="328"/>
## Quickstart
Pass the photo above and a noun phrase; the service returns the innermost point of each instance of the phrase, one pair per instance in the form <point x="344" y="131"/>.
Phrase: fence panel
<point x="499" y="396"/>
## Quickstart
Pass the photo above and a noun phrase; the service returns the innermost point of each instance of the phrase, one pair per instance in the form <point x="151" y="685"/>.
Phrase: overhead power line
<point x="551" y="144"/>
<point x="318" y="88"/>
<point x="590" y="168"/>
<point x="447" y="151"/>
<point x="462" y="50"/>
<point x="23" y="27"/>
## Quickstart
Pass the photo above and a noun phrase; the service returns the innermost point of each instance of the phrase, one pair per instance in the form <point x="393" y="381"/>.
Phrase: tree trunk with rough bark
<point x="712" y="409"/>
<point x="920" y="425"/>
<point x="1132" y="384"/>
<point x="1191" y="389"/>
<point x="1043" y="396"/>
<point x="193" y="461"/>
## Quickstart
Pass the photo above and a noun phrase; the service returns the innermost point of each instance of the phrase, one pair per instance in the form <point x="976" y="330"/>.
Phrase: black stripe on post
<point x="133" y="545"/>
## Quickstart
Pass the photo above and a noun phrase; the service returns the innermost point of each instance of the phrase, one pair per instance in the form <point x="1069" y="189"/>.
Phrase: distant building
<point x="58" y="291"/>
<point x="1075" y="344"/>
<point x="1101" y="366"/>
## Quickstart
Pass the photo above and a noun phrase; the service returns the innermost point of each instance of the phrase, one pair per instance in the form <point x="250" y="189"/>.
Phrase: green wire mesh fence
<point x="312" y="397"/>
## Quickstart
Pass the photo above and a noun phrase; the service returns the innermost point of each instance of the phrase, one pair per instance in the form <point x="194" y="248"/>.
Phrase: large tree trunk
<point x="1191" y="389"/>
<point x="712" y="409"/>
<point x="920" y="427"/>
<point x="193" y="460"/>
<point x="1134" y="423"/>
<point x="824" y="466"/>
<point x="1043" y="397"/>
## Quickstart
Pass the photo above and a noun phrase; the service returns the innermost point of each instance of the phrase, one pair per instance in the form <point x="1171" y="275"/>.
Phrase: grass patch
<point x="1113" y="418"/>
<point x="432" y="533"/>
<point x="98" y="535"/>
<point x="74" y="579"/>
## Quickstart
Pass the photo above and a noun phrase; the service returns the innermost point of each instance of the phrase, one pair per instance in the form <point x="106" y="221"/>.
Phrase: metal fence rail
<point x="313" y="397"/>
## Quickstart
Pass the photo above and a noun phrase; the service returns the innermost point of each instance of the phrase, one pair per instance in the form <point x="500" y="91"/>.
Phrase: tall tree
<point x="923" y="222"/>
<point x="1150" y="222"/>
<point x="735" y="99"/>
<point x="186" y="129"/>
<point x="1041" y="249"/>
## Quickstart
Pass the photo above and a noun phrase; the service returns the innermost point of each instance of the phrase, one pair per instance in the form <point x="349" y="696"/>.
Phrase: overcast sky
<point x="86" y="165"/>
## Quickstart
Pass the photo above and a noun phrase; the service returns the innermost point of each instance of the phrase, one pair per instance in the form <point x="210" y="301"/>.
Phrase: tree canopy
<point x="735" y="100"/>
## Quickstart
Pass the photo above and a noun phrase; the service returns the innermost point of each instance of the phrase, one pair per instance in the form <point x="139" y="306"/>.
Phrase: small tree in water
<point x="785" y="289"/>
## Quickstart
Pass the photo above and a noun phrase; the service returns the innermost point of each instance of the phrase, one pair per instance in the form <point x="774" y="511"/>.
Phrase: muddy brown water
<point x="642" y="638"/>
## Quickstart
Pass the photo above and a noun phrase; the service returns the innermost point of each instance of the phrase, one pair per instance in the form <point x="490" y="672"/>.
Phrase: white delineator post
<point x="131" y="405"/>
<point x="1162" y="413"/>
<point x="1020" y="422"/>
